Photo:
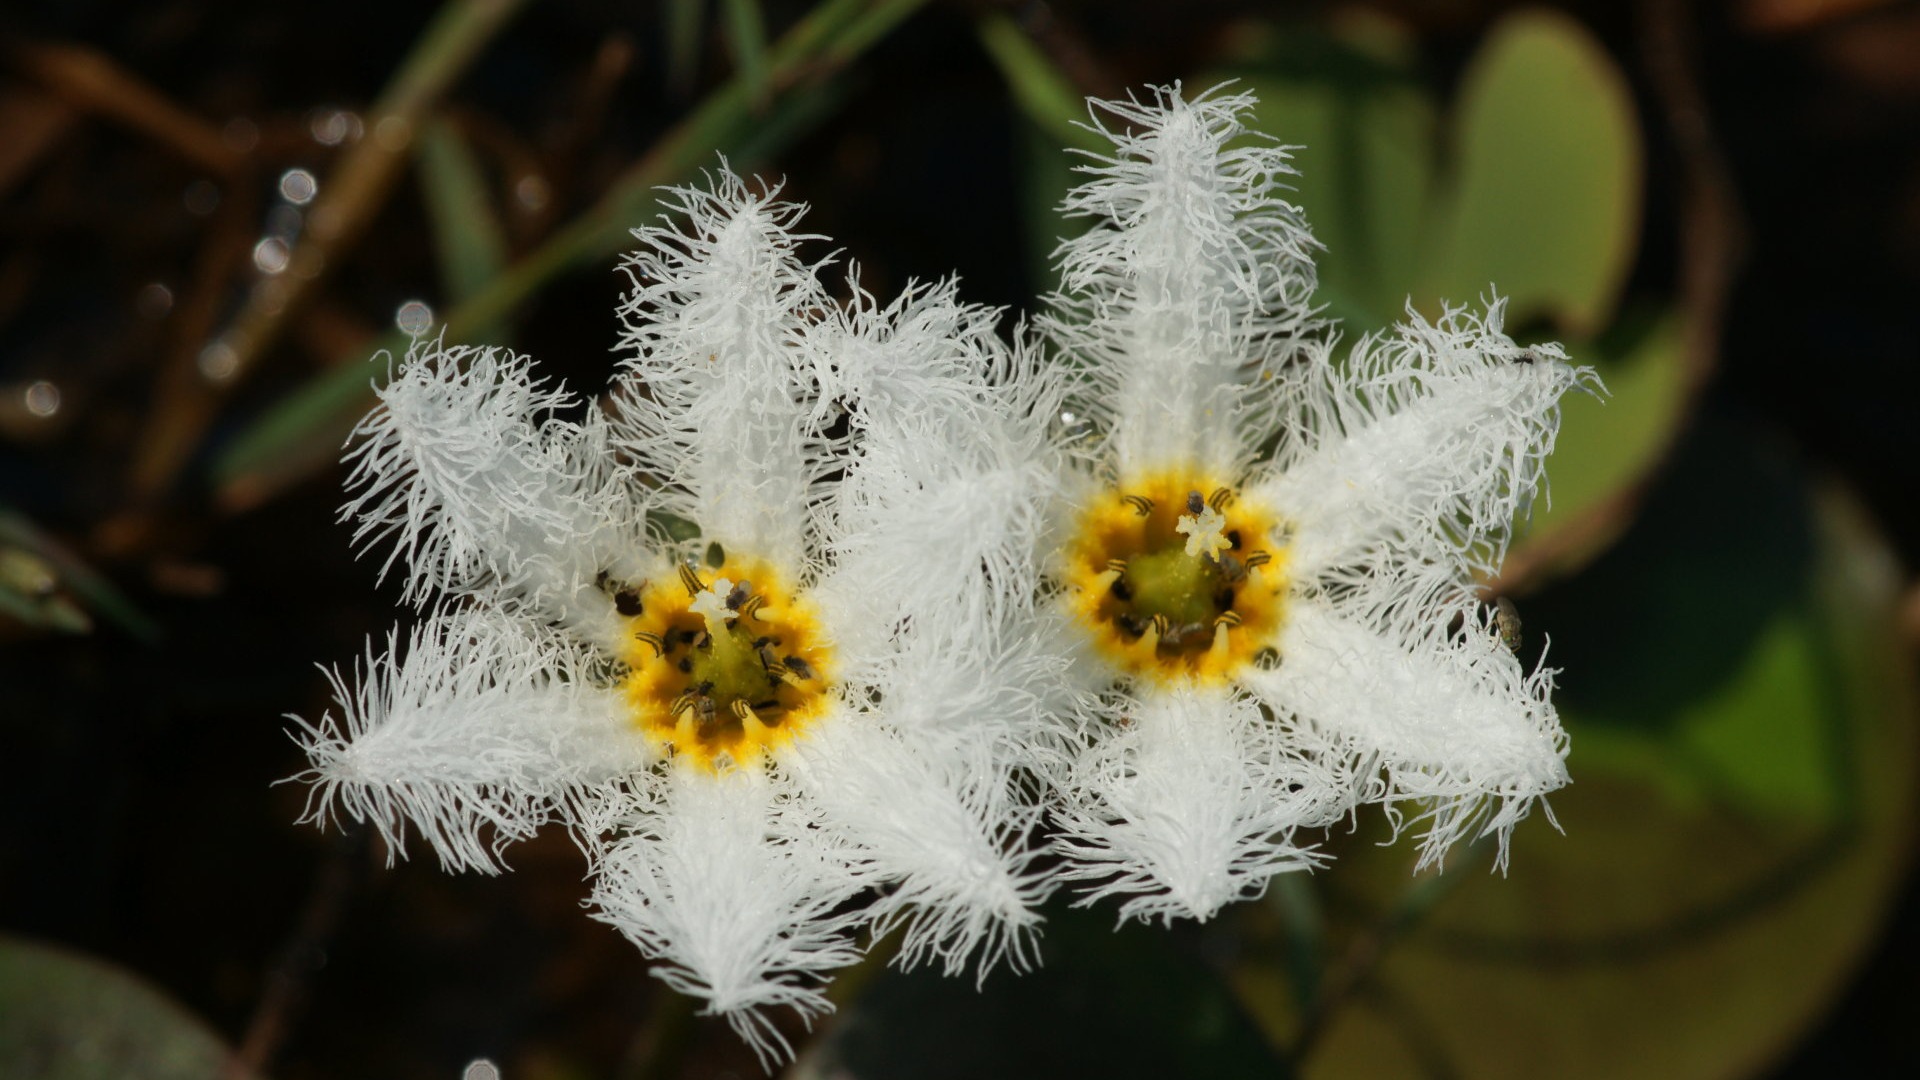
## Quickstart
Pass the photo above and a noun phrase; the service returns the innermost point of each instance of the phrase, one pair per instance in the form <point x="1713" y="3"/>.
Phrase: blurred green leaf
<point x="1608" y="443"/>
<point x="1119" y="1004"/>
<point x="1362" y="137"/>
<point x="66" y="1016"/>
<point x="683" y="40"/>
<point x="1041" y="90"/>
<point x="35" y="571"/>
<point x="1729" y="851"/>
<point x="468" y="241"/>
<point x="1543" y="201"/>
<point x="747" y="34"/>
<point x="297" y="432"/>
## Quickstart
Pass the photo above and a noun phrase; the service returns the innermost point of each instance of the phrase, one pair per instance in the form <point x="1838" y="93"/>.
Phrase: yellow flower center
<point x="724" y="668"/>
<point x="1175" y="577"/>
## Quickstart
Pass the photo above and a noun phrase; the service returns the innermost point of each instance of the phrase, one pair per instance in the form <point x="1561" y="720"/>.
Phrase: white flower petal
<point x="717" y="322"/>
<point x="1194" y="273"/>
<point x="1433" y="438"/>
<point x="483" y="730"/>
<point x="1190" y="805"/>
<point x="1451" y="720"/>
<point x="728" y="881"/>
<point x="939" y="829"/>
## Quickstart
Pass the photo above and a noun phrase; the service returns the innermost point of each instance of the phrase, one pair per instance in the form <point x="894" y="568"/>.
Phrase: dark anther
<point x="1121" y="590"/>
<point x="799" y="667"/>
<point x="1233" y="539"/>
<point x="703" y="710"/>
<point x="738" y="596"/>
<point x="1223" y="599"/>
<point x="705" y="687"/>
<point x="1525" y="356"/>
<point x="702" y="640"/>
<point x="763" y="639"/>
<point x="1195" y="504"/>
<point x="1131" y="623"/>
<point x="685" y="665"/>
<point x="1295" y="788"/>
<point x="627" y="602"/>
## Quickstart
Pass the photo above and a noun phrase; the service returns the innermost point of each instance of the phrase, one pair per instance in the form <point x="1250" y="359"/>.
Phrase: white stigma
<point x="1205" y="533"/>
<point x="711" y="605"/>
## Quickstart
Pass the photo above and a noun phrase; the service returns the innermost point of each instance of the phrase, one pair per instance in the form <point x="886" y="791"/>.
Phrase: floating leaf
<point x="66" y="1016"/>
<point x="1362" y="133"/>
<point x="1743" y="759"/>
<point x="1608" y="443"/>
<point x="1544" y="196"/>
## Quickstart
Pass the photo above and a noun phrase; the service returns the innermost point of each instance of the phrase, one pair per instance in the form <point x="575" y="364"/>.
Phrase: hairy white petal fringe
<point x="731" y="883"/>
<point x="1434" y="436"/>
<point x="1194" y="272"/>
<point x="482" y="729"/>
<point x="478" y="488"/>
<point x="933" y="827"/>
<point x="718" y="322"/>
<point x="1189" y="805"/>
<point x="1447" y="721"/>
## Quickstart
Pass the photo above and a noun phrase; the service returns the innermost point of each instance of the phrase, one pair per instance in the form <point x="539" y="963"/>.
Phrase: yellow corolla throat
<point x="1175" y="577"/>
<point x="723" y="668"/>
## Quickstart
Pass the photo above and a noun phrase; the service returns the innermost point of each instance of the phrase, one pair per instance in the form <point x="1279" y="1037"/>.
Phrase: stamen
<point x="691" y="580"/>
<point x="1227" y="618"/>
<point x="1140" y="503"/>
<point x="798" y="667"/>
<point x="658" y="643"/>
<point x="738" y="596"/>
<point x="1118" y="566"/>
<point x="1258" y="558"/>
<point x="752" y="607"/>
<point x="1221" y="498"/>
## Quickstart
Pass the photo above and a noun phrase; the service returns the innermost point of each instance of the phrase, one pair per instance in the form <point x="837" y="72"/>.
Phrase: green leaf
<point x="747" y="34"/>
<point x="467" y="238"/>
<point x="1134" y="1002"/>
<point x="683" y="18"/>
<point x="1544" y="198"/>
<point x="66" y="1016"/>
<point x="1744" y="738"/>
<point x="1361" y="131"/>
<point x="1042" y="91"/>
<point x="1610" y="442"/>
<point x="34" y="571"/>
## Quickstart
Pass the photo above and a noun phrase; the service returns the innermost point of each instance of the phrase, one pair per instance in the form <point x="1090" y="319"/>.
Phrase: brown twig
<point x="353" y="191"/>
<point x="89" y="80"/>
<point x="286" y="982"/>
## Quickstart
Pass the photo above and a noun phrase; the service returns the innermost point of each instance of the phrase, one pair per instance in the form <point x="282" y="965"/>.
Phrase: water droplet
<point x="331" y="127"/>
<point x="298" y="186"/>
<point x="1070" y="426"/>
<point x="270" y="255"/>
<point x="480" y="1069"/>
<point x="218" y="362"/>
<point x="201" y="198"/>
<point x="413" y="318"/>
<point x="42" y="398"/>
<point x="533" y="192"/>
<point x="241" y="135"/>
<point x="154" y="300"/>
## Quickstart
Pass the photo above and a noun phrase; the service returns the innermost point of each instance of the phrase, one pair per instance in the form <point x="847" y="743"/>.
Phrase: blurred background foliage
<point x="215" y="213"/>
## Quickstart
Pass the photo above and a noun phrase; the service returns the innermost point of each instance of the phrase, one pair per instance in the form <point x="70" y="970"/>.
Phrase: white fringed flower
<point x="826" y="696"/>
<point x="1271" y="554"/>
